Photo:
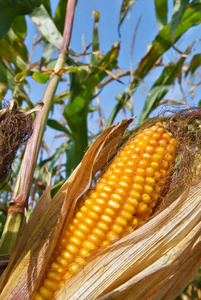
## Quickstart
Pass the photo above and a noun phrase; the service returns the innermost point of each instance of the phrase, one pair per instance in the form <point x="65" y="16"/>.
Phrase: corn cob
<point x="122" y="199"/>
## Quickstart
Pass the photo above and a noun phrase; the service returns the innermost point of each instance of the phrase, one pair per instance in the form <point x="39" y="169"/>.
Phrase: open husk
<point x="154" y="262"/>
<point x="39" y="236"/>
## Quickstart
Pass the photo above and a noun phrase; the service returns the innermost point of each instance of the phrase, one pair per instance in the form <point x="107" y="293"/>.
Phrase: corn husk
<point x="33" y="250"/>
<point x="154" y="262"/>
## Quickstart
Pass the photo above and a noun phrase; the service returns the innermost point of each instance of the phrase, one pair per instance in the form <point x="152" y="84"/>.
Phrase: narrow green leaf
<point x="46" y="4"/>
<point x="46" y="26"/>
<point x="178" y="11"/>
<point x="81" y="94"/>
<point x="108" y="62"/>
<point x="162" y="86"/>
<point x="59" y="17"/>
<point x="20" y="77"/>
<point x="14" y="51"/>
<point x="59" y="98"/>
<point x="41" y="77"/>
<point x="2" y="220"/>
<point x="58" y="126"/>
<point x="76" y="116"/>
<point x="162" y="42"/>
<point x="48" y="50"/>
<point x="121" y="102"/>
<point x="19" y="27"/>
<point x="194" y="64"/>
<point x="95" y="40"/>
<point x="53" y="158"/>
<point x="6" y="75"/>
<point x="10" y="9"/>
<point x="126" y="5"/>
<point x="7" y="80"/>
<point x="161" y="9"/>
<point x="56" y="187"/>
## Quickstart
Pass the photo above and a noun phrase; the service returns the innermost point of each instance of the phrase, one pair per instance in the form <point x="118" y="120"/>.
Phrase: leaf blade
<point x="160" y="88"/>
<point x="160" y="45"/>
<point x="178" y="11"/>
<point x="161" y="9"/>
<point x="126" y="5"/>
<point x="11" y="9"/>
<point x="46" y="26"/>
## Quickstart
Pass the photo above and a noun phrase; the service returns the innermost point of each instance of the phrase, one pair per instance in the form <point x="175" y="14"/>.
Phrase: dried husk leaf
<point x="154" y="262"/>
<point x="40" y="235"/>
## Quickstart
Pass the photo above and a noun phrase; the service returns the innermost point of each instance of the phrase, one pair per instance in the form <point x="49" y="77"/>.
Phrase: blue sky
<point x="108" y="35"/>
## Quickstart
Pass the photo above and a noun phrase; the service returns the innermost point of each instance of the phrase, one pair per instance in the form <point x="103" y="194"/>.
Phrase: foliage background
<point x="124" y="60"/>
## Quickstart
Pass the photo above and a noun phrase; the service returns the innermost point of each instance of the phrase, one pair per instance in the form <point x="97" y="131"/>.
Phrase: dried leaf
<point x="39" y="237"/>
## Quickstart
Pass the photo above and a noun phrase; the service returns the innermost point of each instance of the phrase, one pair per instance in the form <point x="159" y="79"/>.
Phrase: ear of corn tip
<point x="122" y="199"/>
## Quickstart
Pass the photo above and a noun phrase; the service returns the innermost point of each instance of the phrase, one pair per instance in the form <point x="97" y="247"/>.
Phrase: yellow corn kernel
<point x="45" y="293"/>
<point x="122" y="200"/>
<point x="50" y="284"/>
<point x="116" y="228"/>
<point x="148" y="189"/>
<point x="87" y="245"/>
<point x="84" y="253"/>
<point x="140" y="171"/>
<point x="142" y="207"/>
<point x="54" y="275"/>
<point x="126" y="215"/>
<point x="73" y="268"/>
<point x="146" y="198"/>
<point x="57" y="268"/>
<point x="111" y="236"/>
<point x="80" y="260"/>
<point x="38" y="296"/>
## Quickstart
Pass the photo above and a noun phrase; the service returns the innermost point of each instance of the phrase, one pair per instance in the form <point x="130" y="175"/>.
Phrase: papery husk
<point x="154" y="262"/>
<point x="38" y="239"/>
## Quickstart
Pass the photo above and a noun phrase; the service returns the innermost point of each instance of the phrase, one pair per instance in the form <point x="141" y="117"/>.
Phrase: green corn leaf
<point x="76" y="115"/>
<point x="161" y="9"/>
<point x="46" y="26"/>
<point x="179" y="10"/>
<point x="19" y="27"/>
<point x="58" y="126"/>
<point x="59" y="17"/>
<point x="41" y="77"/>
<point x="160" y="45"/>
<point x="95" y="40"/>
<point x="83" y="84"/>
<point x="6" y="75"/>
<point x="10" y="9"/>
<point x="194" y="64"/>
<point x="126" y="5"/>
<point x="13" y="50"/>
<point x="46" y="4"/>
<point x="48" y="50"/>
<point x="160" y="88"/>
<point x="162" y="85"/>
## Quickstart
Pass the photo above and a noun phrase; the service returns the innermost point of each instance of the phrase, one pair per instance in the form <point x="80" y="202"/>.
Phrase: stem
<point x="24" y="180"/>
<point x="68" y="26"/>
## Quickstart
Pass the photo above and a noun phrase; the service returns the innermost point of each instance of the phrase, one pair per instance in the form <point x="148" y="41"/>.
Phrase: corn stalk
<point x="16" y="212"/>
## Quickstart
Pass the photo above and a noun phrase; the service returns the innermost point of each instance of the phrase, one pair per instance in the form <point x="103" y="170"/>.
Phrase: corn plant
<point x="48" y="191"/>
